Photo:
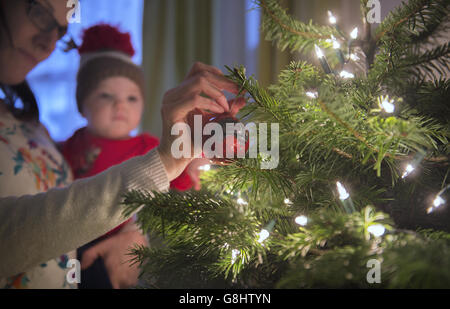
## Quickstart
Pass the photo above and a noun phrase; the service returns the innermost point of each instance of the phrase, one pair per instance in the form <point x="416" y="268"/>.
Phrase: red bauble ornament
<point x="232" y="143"/>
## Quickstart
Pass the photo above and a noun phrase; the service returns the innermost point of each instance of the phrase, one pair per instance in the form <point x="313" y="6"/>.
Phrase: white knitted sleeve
<point x="36" y="228"/>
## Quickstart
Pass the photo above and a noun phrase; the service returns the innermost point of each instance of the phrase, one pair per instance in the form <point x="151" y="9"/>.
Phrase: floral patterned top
<point x="30" y="164"/>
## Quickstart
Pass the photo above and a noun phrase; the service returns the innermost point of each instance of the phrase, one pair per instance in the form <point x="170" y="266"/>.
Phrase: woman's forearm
<point x="40" y="227"/>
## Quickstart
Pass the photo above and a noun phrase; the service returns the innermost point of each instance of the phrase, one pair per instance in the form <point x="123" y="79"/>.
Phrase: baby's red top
<point x="89" y="155"/>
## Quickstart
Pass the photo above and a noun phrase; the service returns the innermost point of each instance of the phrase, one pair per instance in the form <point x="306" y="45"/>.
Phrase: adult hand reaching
<point x="201" y="90"/>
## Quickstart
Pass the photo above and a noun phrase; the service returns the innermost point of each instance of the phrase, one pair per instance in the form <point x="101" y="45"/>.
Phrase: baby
<point x="110" y="95"/>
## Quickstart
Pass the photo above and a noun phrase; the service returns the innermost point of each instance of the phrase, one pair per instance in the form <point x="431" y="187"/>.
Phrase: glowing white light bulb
<point x="438" y="201"/>
<point x="205" y="168"/>
<point x="301" y="220"/>
<point x="336" y="44"/>
<point x="343" y="194"/>
<point x="430" y="210"/>
<point x="331" y="18"/>
<point x="388" y="106"/>
<point x="263" y="235"/>
<point x="376" y="229"/>
<point x="408" y="170"/>
<point x="240" y="201"/>
<point x="234" y="255"/>
<point x="354" y="33"/>
<point x="319" y="52"/>
<point x="312" y="94"/>
<point x="345" y="74"/>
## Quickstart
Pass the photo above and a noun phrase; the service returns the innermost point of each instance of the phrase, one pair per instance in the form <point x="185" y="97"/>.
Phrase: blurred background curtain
<point x="177" y="33"/>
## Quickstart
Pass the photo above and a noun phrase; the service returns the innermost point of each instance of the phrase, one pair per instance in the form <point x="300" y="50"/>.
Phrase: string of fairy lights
<point x="386" y="104"/>
<point x="375" y="229"/>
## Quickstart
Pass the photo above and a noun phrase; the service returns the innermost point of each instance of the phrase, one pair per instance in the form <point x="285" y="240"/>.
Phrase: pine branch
<point x="280" y="27"/>
<point x="435" y="61"/>
<point x="398" y="39"/>
<point x="259" y="95"/>
<point x="191" y="222"/>
<point x="419" y="94"/>
<point x="401" y="23"/>
<point x="298" y="76"/>
<point x="432" y="27"/>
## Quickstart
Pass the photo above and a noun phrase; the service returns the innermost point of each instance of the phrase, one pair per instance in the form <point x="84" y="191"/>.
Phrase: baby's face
<point x="114" y="109"/>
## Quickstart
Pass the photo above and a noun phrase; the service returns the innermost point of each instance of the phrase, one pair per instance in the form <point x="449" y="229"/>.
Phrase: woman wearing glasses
<point x="42" y="217"/>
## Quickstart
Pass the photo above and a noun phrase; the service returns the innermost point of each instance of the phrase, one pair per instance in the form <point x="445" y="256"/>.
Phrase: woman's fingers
<point x="204" y="80"/>
<point x="181" y="110"/>
<point x="198" y="85"/>
<point x="214" y="75"/>
<point x="219" y="81"/>
<point x="204" y="84"/>
<point x="201" y="90"/>
<point x="236" y="105"/>
<point x="200" y="67"/>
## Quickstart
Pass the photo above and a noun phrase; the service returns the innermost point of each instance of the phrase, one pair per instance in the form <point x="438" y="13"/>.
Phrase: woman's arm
<point x="37" y="228"/>
<point x="34" y="229"/>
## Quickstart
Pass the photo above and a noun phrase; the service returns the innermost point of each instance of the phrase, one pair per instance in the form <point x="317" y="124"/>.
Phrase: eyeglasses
<point x="43" y="19"/>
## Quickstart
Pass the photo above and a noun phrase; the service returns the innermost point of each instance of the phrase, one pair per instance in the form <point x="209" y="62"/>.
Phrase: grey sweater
<point x="36" y="228"/>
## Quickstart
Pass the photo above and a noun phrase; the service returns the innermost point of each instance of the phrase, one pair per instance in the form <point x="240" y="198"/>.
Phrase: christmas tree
<point x="358" y="199"/>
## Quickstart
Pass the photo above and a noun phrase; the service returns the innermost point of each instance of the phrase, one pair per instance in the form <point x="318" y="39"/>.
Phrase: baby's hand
<point x="115" y="254"/>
